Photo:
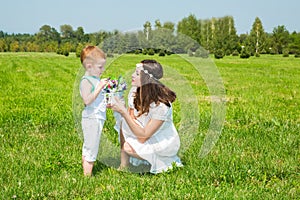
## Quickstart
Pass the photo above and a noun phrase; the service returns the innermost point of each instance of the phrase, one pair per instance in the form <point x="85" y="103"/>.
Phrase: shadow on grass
<point x="110" y="162"/>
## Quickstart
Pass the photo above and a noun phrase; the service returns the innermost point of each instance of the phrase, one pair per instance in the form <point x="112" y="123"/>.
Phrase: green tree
<point x="245" y="53"/>
<point x="48" y="38"/>
<point x="218" y="32"/>
<point x="66" y="31"/>
<point x="170" y="26"/>
<point x="3" y="45"/>
<point x="47" y="33"/>
<point x="219" y="54"/>
<point x="230" y="38"/>
<point x="190" y="26"/>
<point x="294" y="42"/>
<point x="133" y="42"/>
<point x="280" y="38"/>
<point x="14" y="46"/>
<point x="79" y="48"/>
<point x="157" y="24"/>
<point x="257" y="36"/>
<point x="79" y="34"/>
<point x="162" y="39"/>
<point x="224" y="34"/>
<point x="243" y="38"/>
<point x="32" y="47"/>
<point x="207" y="34"/>
<point x="147" y="30"/>
<point x="2" y="34"/>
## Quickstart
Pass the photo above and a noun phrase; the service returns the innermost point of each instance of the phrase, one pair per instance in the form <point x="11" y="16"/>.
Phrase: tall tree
<point x="230" y="38"/>
<point x="190" y="26"/>
<point x="79" y="34"/>
<point x="47" y="33"/>
<point x="66" y="31"/>
<point x="157" y="24"/>
<point x="170" y="26"/>
<point x="257" y="36"/>
<point x="3" y="46"/>
<point x="2" y="34"/>
<point x="147" y="29"/>
<point x="294" y="42"/>
<point x="220" y="29"/>
<point x="280" y="38"/>
<point x="206" y="34"/>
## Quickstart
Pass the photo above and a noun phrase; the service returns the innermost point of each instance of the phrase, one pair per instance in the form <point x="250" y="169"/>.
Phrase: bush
<point x="59" y="51"/>
<point x="198" y="53"/>
<point x="235" y="53"/>
<point x="144" y="52"/>
<point x="66" y="52"/>
<point x="245" y="53"/>
<point x="297" y="55"/>
<point x="169" y="53"/>
<point x="204" y="54"/>
<point x="161" y="53"/>
<point x="201" y="53"/>
<point x="257" y="55"/>
<point x="151" y="52"/>
<point x="273" y="51"/>
<point x="79" y="49"/>
<point x="219" y="54"/>
<point x="110" y="55"/>
<point x="263" y="51"/>
<point x="228" y="52"/>
<point x="119" y="51"/>
<point x="137" y="51"/>
<point x="285" y="53"/>
<point x="190" y="53"/>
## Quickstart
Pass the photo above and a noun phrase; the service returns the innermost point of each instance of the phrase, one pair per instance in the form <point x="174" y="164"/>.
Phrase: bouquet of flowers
<point x="114" y="87"/>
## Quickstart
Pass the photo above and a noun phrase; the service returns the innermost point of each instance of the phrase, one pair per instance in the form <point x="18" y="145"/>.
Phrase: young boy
<point x="93" y="60"/>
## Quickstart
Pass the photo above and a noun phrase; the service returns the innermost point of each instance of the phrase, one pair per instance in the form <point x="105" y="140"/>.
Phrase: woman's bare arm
<point x="142" y="133"/>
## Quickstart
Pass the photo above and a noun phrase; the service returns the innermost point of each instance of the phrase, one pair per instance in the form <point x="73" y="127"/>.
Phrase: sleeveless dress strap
<point x="89" y="79"/>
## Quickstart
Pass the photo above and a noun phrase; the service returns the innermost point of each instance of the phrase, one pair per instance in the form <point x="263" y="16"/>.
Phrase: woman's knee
<point x="128" y="148"/>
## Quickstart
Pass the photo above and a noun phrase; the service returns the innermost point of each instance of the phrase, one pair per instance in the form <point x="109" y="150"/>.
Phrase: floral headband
<point x="140" y="66"/>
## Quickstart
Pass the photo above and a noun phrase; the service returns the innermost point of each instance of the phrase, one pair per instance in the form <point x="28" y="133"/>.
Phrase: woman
<point x="149" y="134"/>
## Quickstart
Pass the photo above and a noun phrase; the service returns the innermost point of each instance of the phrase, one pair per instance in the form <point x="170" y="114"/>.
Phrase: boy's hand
<point x="103" y="82"/>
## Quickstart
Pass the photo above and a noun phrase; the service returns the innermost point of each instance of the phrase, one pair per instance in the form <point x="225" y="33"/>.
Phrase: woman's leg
<point x="124" y="155"/>
<point x="130" y="151"/>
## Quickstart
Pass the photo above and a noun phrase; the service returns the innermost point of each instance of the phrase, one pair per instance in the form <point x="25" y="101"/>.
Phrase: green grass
<point x="256" y="157"/>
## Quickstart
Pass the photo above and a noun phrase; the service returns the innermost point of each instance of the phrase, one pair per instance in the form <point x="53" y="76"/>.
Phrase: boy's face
<point x="97" y="68"/>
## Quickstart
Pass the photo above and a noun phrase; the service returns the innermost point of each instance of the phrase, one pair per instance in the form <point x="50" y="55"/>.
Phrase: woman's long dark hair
<point x="151" y="90"/>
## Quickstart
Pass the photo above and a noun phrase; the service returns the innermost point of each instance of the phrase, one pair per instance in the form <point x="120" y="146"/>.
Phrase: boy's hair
<point x="90" y="54"/>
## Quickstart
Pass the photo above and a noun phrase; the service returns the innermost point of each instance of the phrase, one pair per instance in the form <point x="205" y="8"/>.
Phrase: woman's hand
<point x="118" y="105"/>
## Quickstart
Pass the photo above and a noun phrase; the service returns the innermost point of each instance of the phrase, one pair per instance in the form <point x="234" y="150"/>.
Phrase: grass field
<point x="256" y="156"/>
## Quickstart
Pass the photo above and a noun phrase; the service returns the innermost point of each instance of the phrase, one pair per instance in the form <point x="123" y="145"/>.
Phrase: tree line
<point x="190" y="35"/>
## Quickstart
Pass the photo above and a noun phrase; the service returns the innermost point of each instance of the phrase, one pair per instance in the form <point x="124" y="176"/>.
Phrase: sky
<point x="28" y="16"/>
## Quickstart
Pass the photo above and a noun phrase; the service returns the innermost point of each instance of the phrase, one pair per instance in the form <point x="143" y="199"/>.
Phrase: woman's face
<point x="136" y="76"/>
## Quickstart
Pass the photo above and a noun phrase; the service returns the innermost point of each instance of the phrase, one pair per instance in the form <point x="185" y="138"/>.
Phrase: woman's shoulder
<point x="159" y="109"/>
<point x="159" y="105"/>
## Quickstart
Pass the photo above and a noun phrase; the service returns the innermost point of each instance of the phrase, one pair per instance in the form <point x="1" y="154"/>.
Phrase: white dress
<point x="161" y="149"/>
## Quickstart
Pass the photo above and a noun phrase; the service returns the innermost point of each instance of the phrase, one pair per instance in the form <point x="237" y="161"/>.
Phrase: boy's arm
<point x="87" y="96"/>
